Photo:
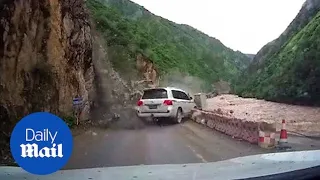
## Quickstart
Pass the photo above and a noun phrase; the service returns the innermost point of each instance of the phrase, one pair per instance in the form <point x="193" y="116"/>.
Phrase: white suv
<point x="165" y="103"/>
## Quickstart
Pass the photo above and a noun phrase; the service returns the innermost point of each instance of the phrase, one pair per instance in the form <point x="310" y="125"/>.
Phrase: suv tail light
<point x="168" y="102"/>
<point x="140" y="103"/>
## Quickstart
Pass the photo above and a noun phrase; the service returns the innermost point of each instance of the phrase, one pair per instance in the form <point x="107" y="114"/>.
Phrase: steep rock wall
<point x="45" y="59"/>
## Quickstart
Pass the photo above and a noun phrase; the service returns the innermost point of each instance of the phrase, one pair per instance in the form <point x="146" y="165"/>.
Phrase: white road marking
<point x="197" y="154"/>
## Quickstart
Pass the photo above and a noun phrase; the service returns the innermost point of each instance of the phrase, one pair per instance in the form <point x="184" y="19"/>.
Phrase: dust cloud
<point x="114" y="107"/>
<point x="190" y="84"/>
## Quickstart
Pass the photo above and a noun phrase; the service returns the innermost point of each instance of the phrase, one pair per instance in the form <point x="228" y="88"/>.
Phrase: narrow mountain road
<point x="169" y="144"/>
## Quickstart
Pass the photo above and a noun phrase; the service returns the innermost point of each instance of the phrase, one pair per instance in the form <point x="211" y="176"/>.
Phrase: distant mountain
<point x="309" y="9"/>
<point x="251" y="56"/>
<point x="170" y="46"/>
<point x="288" y="68"/>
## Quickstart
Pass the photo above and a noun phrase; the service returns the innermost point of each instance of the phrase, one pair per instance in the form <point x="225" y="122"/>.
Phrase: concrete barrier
<point x="267" y="132"/>
<point x="267" y="140"/>
<point x="247" y="130"/>
<point x="250" y="131"/>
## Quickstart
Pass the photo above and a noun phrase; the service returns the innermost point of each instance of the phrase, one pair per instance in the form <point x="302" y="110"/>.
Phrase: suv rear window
<point x="155" y="94"/>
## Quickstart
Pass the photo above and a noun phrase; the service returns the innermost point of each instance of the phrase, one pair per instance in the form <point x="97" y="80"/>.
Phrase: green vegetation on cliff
<point x="129" y="29"/>
<point x="293" y="73"/>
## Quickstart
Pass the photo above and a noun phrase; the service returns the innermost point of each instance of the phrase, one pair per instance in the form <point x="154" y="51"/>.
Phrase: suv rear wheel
<point x="178" y="118"/>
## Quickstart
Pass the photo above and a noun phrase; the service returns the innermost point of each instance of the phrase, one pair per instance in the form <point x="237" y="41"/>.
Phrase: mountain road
<point x="167" y="144"/>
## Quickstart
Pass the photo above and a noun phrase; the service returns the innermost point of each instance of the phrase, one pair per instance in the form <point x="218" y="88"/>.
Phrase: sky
<point x="244" y="25"/>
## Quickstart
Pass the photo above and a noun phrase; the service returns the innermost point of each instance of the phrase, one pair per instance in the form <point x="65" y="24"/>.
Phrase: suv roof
<point x="167" y="88"/>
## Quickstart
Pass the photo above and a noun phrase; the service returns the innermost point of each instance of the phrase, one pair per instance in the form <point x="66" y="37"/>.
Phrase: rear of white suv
<point x="164" y="103"/>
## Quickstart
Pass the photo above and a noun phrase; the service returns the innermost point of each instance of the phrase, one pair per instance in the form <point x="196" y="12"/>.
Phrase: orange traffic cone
<point x="283" y="133"/>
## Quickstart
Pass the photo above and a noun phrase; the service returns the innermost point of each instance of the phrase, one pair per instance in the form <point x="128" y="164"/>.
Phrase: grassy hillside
<point x="293" y="73"/>
<point x="130" y="29"/>
<point x="309" y="9"/>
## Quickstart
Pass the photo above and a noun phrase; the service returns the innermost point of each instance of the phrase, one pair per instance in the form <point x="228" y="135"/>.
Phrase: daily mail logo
<point x="41" y="143"/>
<point x="32" y="150"/>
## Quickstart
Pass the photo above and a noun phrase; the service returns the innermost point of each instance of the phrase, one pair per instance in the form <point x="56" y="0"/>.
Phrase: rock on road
<point x="170" y="144"/>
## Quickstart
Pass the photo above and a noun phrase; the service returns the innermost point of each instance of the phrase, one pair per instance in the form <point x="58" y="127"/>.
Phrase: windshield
<point x="117" y="83"/>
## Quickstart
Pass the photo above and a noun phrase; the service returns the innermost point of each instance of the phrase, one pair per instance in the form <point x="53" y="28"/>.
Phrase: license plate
<point x="153" y="106"/>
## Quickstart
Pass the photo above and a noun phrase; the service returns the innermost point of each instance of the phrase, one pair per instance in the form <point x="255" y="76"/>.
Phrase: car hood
<point x="242" y="167"/>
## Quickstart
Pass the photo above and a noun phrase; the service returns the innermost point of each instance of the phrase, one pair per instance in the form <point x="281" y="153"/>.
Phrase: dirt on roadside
<point x="299" y="119"/>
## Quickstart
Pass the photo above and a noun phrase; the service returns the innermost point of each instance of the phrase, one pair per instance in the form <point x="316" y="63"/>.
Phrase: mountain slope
<point x="130" y="30"/>
<point x="305" y="15"/>
<point x="291" y="74"/>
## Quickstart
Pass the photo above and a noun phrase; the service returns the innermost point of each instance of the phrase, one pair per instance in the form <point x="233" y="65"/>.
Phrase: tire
<point x="179" y="116"/>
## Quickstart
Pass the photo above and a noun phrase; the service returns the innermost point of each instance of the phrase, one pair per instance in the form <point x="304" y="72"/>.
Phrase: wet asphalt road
<point x="169" y="144"/>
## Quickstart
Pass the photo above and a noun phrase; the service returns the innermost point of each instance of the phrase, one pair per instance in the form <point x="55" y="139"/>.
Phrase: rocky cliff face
<point x="45" y="59"/>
